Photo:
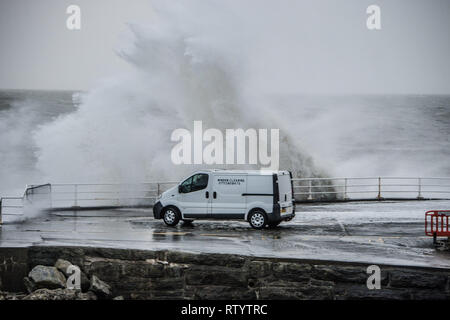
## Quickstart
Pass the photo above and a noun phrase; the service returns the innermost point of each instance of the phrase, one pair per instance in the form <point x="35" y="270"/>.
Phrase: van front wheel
<point x="257" y="219"/>
<point x="171" y="216"/>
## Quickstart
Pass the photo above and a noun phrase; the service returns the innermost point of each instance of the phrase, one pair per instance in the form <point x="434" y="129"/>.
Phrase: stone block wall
<point x="141" y="274"/>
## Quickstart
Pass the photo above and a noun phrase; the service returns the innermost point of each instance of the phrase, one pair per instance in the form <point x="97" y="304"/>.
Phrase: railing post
<point x="76" y="195"/>
<point x="1" y="211"/>
<point x="345" y="189"/>
<point x="51" y="196"/>
<point x="419" y="196"/>
<point x="379" y="188"/>
<point x="310" y="190"/>
<point x="158" y="189"/>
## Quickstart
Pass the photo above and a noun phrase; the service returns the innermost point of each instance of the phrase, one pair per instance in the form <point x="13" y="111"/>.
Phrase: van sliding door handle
<point x="214" y="195"/>
<point x="207" y="194"/>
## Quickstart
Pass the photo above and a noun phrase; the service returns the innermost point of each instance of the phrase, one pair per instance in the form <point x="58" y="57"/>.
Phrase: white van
<point x="259" y="197"/>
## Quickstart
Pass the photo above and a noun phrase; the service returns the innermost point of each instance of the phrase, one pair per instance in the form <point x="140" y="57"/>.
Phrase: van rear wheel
<point x="171" y="216"/>
<point x="257" y="219"/>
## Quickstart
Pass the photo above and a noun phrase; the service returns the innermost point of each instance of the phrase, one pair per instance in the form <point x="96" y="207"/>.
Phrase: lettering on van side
<point x="230" y="181"/>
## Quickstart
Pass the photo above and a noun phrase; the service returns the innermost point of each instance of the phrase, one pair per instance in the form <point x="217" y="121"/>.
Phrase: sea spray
<point x="121" y="129"/>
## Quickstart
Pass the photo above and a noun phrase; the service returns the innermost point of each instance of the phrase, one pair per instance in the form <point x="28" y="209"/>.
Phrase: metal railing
<point x="69" y="195"/>
<point x="371" y="188"/>
<point x="10" y="206"/>
<point x="32" y="198"/>
<point x="58" y="196"/>
<point x="103" y="195"/>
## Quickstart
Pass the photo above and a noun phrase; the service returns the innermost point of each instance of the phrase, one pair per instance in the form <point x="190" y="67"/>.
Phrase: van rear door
<point x="285" y="192"/>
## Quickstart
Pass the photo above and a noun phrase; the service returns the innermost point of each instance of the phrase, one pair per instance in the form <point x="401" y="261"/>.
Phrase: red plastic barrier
<point x="436" y="223"/>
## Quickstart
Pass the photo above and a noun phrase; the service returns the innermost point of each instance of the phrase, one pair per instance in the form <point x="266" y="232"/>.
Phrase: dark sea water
<point x="374" y="135"/>
<point x="395" y="135"/>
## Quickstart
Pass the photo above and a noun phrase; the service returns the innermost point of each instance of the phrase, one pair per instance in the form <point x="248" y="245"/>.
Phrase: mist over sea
<point x="361" y="135"/>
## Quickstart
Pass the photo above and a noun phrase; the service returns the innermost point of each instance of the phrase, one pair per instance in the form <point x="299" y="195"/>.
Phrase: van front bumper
<point x="157" y="209"/>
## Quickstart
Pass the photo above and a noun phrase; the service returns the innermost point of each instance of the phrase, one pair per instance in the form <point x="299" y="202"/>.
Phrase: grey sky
<point x="304" y="46"/>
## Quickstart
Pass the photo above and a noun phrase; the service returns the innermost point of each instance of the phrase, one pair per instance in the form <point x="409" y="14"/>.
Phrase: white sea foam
<point x="186" y="69"/>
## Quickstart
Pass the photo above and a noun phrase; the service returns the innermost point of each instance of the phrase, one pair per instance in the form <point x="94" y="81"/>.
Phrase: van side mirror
<point x="180" y="190"/>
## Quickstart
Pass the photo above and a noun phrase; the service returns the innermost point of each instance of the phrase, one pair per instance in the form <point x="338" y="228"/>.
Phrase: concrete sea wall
<point x="142" y="274"/>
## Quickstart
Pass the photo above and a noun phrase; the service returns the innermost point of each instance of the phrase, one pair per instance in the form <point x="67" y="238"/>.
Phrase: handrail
<point x="315" y="189"/>
<point x="368" y="178"/>
<point x="76" y="195"/>
<point x="3" y="205"/>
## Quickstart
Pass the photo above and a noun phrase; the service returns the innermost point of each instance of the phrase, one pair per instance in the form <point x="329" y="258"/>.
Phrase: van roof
<point x="259" y="172"/>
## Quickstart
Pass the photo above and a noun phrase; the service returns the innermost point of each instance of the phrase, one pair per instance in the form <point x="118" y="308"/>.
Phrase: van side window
<point x="186" y="185"/>
<point x="199" y="182"/>
<point x="195" y="183"/>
